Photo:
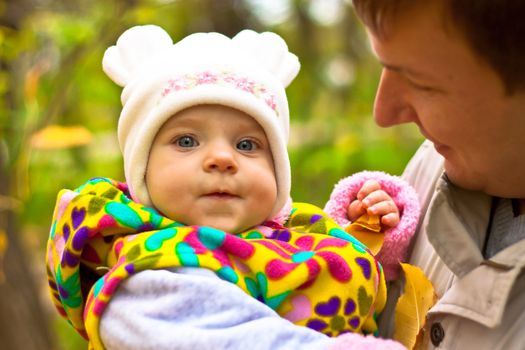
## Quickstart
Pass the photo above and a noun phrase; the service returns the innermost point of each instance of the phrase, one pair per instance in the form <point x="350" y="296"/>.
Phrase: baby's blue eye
<point x="186" y="141"/>
<point x="246" y="145"/>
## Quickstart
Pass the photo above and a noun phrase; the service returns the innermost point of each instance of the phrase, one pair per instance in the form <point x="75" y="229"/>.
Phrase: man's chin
<point x="462" y="179"/>
<point x="456" y="176"/>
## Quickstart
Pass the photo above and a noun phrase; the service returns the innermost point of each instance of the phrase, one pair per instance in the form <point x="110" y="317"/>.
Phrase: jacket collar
<point x="456" y="226"/>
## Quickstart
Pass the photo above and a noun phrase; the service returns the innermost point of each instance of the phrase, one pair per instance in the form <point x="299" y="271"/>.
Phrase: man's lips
<point x="438" y="146"/>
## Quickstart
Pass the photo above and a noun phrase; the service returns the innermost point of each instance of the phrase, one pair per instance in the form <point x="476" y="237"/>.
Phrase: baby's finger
<point x="368" y="187"/>
<point x="383" y="208"/>
<point x="390" y="220"/>
<point x="375" y="197"/>
<point x="355" y="210"/>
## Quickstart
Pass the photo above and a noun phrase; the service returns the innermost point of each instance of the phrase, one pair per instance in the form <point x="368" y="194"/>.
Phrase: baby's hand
<point x="373" y="200"/>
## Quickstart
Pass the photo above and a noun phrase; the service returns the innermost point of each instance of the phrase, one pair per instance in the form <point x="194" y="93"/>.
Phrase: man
<point x="455" y="69"/>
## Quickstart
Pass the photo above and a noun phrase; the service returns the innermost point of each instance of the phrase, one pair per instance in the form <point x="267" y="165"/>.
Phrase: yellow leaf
<point x="56" y="136"/>
<point x="367" y="229"/>
<point x="412" y="307"/>
<point x="3" y="249"/>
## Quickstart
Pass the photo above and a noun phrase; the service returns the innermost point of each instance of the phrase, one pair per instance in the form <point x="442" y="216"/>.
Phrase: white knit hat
<point x="248" y="72"/>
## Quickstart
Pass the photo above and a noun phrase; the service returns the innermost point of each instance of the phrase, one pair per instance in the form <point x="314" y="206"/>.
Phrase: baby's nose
<point x="221" y="159"/>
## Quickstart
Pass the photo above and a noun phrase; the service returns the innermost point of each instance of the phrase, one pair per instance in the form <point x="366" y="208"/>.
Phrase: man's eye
<point x="421" y="87"/>
<point x="246" y="145"/>
<point x="186" y="141"/>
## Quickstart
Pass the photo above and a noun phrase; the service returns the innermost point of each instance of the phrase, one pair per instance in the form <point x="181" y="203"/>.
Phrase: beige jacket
<point x="481" y="302"/>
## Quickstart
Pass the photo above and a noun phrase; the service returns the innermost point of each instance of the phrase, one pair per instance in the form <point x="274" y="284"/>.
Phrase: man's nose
<point x="222" y="158"/>
<point x="392" y="106"/>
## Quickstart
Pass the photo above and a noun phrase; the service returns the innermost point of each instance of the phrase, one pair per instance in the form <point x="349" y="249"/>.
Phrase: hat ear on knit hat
<point x="160" y="79"/>
<point x="133" y="50"/>
<point x="271" y="52"/>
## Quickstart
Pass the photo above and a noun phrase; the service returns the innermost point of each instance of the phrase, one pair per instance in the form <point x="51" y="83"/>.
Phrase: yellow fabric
<point x="309" y="270"/>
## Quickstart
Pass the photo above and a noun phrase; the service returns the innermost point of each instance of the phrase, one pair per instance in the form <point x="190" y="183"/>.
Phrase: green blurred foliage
<point x="51" y="74"/>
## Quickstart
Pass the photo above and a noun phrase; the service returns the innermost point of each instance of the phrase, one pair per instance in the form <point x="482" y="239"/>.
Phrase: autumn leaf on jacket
<point x="413" y="305"/>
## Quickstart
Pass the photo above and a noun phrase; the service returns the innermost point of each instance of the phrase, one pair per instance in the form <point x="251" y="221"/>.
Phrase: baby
<point x="203" y="132"/>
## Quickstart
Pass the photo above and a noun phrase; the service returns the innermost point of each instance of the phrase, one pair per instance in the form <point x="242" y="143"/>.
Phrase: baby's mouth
<point x="220" y="195"/>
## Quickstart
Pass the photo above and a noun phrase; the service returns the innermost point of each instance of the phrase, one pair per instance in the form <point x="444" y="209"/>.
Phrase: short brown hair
<point x="495" y="29"/>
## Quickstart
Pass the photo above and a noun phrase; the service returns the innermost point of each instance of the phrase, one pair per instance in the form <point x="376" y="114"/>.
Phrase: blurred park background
<point x="59" y="114"/>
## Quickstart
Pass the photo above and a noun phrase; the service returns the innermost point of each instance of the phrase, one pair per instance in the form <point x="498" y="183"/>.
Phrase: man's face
<point x="211" y="165"/>
<point x="432" y="78"/>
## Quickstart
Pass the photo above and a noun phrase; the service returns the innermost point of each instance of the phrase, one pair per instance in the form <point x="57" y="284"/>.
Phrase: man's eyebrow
<point x="404" y="70"/>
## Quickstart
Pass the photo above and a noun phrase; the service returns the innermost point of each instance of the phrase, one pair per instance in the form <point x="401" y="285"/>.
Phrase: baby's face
<point x="211" y="165"/>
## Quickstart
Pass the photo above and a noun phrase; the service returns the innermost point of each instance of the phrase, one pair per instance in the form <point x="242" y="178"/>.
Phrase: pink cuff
<point x="397" y="239"/>
<point x="353" y="341"/>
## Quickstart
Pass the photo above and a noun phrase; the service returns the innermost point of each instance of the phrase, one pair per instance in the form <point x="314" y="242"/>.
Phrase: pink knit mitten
<point x="397" y="239"/>
<point x="353" y="341"/>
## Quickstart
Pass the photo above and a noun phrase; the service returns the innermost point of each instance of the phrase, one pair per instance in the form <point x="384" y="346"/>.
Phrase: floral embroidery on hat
<point x="223" y="78"/>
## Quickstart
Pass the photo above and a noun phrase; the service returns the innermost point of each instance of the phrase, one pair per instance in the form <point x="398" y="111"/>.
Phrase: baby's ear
<point x="134" y="47"/>
<point x="271" y="52"/>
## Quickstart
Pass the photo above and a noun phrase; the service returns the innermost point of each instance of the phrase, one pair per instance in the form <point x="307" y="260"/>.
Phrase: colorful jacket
<point x="99" y="237"/>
